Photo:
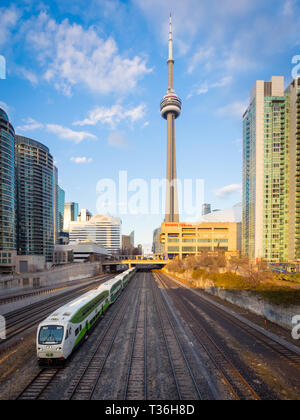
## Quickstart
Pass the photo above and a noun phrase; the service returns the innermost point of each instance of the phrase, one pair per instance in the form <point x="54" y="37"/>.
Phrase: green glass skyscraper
<point x="271" y="172"/>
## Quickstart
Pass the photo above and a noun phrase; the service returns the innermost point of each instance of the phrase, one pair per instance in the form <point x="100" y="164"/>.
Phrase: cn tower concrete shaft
<point x="170" y="110"/>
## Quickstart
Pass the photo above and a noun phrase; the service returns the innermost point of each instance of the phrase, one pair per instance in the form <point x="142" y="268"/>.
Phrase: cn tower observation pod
<point x="170" y="103"/>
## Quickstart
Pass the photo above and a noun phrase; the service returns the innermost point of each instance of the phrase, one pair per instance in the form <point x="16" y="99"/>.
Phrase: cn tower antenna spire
<point x="170" y="59"/>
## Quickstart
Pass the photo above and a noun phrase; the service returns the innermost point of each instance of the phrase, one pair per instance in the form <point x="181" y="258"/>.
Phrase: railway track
<point x="186" y="384"/>
<point x="41" y="383"/>
<point x="38" y="385"/>
<point x="25" y="318"/>
<point x="264" y="338"/>
<point x="136" y="380"/>
<point x="85" y="383"/>
<point x="237" y="384"/>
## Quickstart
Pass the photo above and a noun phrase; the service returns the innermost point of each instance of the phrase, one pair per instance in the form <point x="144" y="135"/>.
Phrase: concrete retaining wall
<point x="280" y="315"/>
<point x="51" y="277"/>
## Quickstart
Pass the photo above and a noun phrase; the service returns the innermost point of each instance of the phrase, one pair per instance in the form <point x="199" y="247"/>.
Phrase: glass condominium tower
<point x="7" y="192"/>
<point x="271" y="174"/>
<point x="293" y="98"/>
<point x="35" y="219"/>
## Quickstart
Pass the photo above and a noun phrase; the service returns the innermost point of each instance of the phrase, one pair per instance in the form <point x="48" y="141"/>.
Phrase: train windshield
<point x="51" y="334"/>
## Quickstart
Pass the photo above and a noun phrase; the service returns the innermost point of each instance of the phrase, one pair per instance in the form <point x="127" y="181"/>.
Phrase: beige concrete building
<point x="184" y="239"/>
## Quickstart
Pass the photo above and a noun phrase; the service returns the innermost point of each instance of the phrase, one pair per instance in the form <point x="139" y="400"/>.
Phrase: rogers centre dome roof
<point x="233" y="215"/>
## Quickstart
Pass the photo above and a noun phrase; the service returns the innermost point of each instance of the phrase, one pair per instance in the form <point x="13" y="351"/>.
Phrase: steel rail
<point x="264" y="339"/>
<point x="224" y="366"/>
<point x="138" y="355"/>
<point x="91" y="386"/>
<point x="163" y="305"/>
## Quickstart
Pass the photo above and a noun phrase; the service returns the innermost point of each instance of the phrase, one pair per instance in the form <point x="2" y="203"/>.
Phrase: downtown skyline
<point x="97" y="122"/>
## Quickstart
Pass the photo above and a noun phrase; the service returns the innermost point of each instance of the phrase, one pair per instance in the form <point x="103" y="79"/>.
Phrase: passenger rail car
<point x="65" y="329"/>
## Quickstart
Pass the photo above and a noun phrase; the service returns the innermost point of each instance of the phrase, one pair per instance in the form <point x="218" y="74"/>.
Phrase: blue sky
<point x="86" y="79"/>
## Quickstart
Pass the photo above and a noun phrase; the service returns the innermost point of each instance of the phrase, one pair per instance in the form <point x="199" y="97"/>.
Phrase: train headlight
<point x="58" y="348"/>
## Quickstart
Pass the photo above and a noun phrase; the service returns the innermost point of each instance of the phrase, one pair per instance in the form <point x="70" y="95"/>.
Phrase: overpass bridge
<point x="135" y="261"/>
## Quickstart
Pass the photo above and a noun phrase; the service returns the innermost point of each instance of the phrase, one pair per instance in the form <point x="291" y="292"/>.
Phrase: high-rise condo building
<point x="7" y="194"/>
<point x="293" y="97"/>
<point x="100" y="229"/>
<point x="270" y="172"/>
<point x="35" y="221"/>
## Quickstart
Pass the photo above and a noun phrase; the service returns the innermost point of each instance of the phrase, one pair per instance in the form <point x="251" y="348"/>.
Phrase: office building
<point x="131" y="236"/>
<point x="84" y="215"/>
<point x="61" y="208"/>
<point x="157" y="247"/>
<point x="127" y="248"/>
<point x="206" y="209"/>
<point x="79" y="253"/>
<point x="185" y="239"/>
<point x="102" y="230"/>
<point x="55" y="204"/>
<point x="70" y="214"/>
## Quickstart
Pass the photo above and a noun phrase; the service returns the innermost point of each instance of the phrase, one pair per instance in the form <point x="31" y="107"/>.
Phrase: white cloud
<point x="72" y="55"/>
<point x="117" y="139"/>
<point x="235" y="109"/>
<point x="62" y="132"/>
<point x="8" y="20"/>
<point x="205" y="87"/>
<point x="79" y="160"/>
<point x="228" y="190"/>
<point x="68" y="134"/>
<point x="28" y="75"/>
<point x="113" y="116"/>
<point x="30" y="125"/>
<point x="192" y="18"/>
<point x="203" y="54"/>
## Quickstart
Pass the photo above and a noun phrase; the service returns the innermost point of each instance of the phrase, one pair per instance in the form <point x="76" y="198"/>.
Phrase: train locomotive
<point x="65" y="329"/>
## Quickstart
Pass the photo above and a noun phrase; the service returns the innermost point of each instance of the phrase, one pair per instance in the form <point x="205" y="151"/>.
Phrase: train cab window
<point x="51" y="334"/>
<point x="67" y="335"/>
<point x="77" y="332"/>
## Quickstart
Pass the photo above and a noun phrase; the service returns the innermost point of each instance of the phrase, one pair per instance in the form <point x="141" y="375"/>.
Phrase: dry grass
<point x="259" y="282"/>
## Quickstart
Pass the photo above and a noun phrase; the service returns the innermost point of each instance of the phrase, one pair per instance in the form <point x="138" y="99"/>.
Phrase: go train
<point x="65" y="329"/>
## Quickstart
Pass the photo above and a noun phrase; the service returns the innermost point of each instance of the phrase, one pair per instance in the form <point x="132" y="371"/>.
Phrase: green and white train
<point x="65" y="329"/>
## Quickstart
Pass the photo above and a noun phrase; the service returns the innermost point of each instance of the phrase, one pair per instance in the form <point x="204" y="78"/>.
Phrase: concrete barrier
<point x="280" y="315"/>
<point x="48" y="278"/>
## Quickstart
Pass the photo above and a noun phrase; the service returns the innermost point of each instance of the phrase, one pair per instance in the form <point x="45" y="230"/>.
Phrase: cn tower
<point x="170" y="108"/>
